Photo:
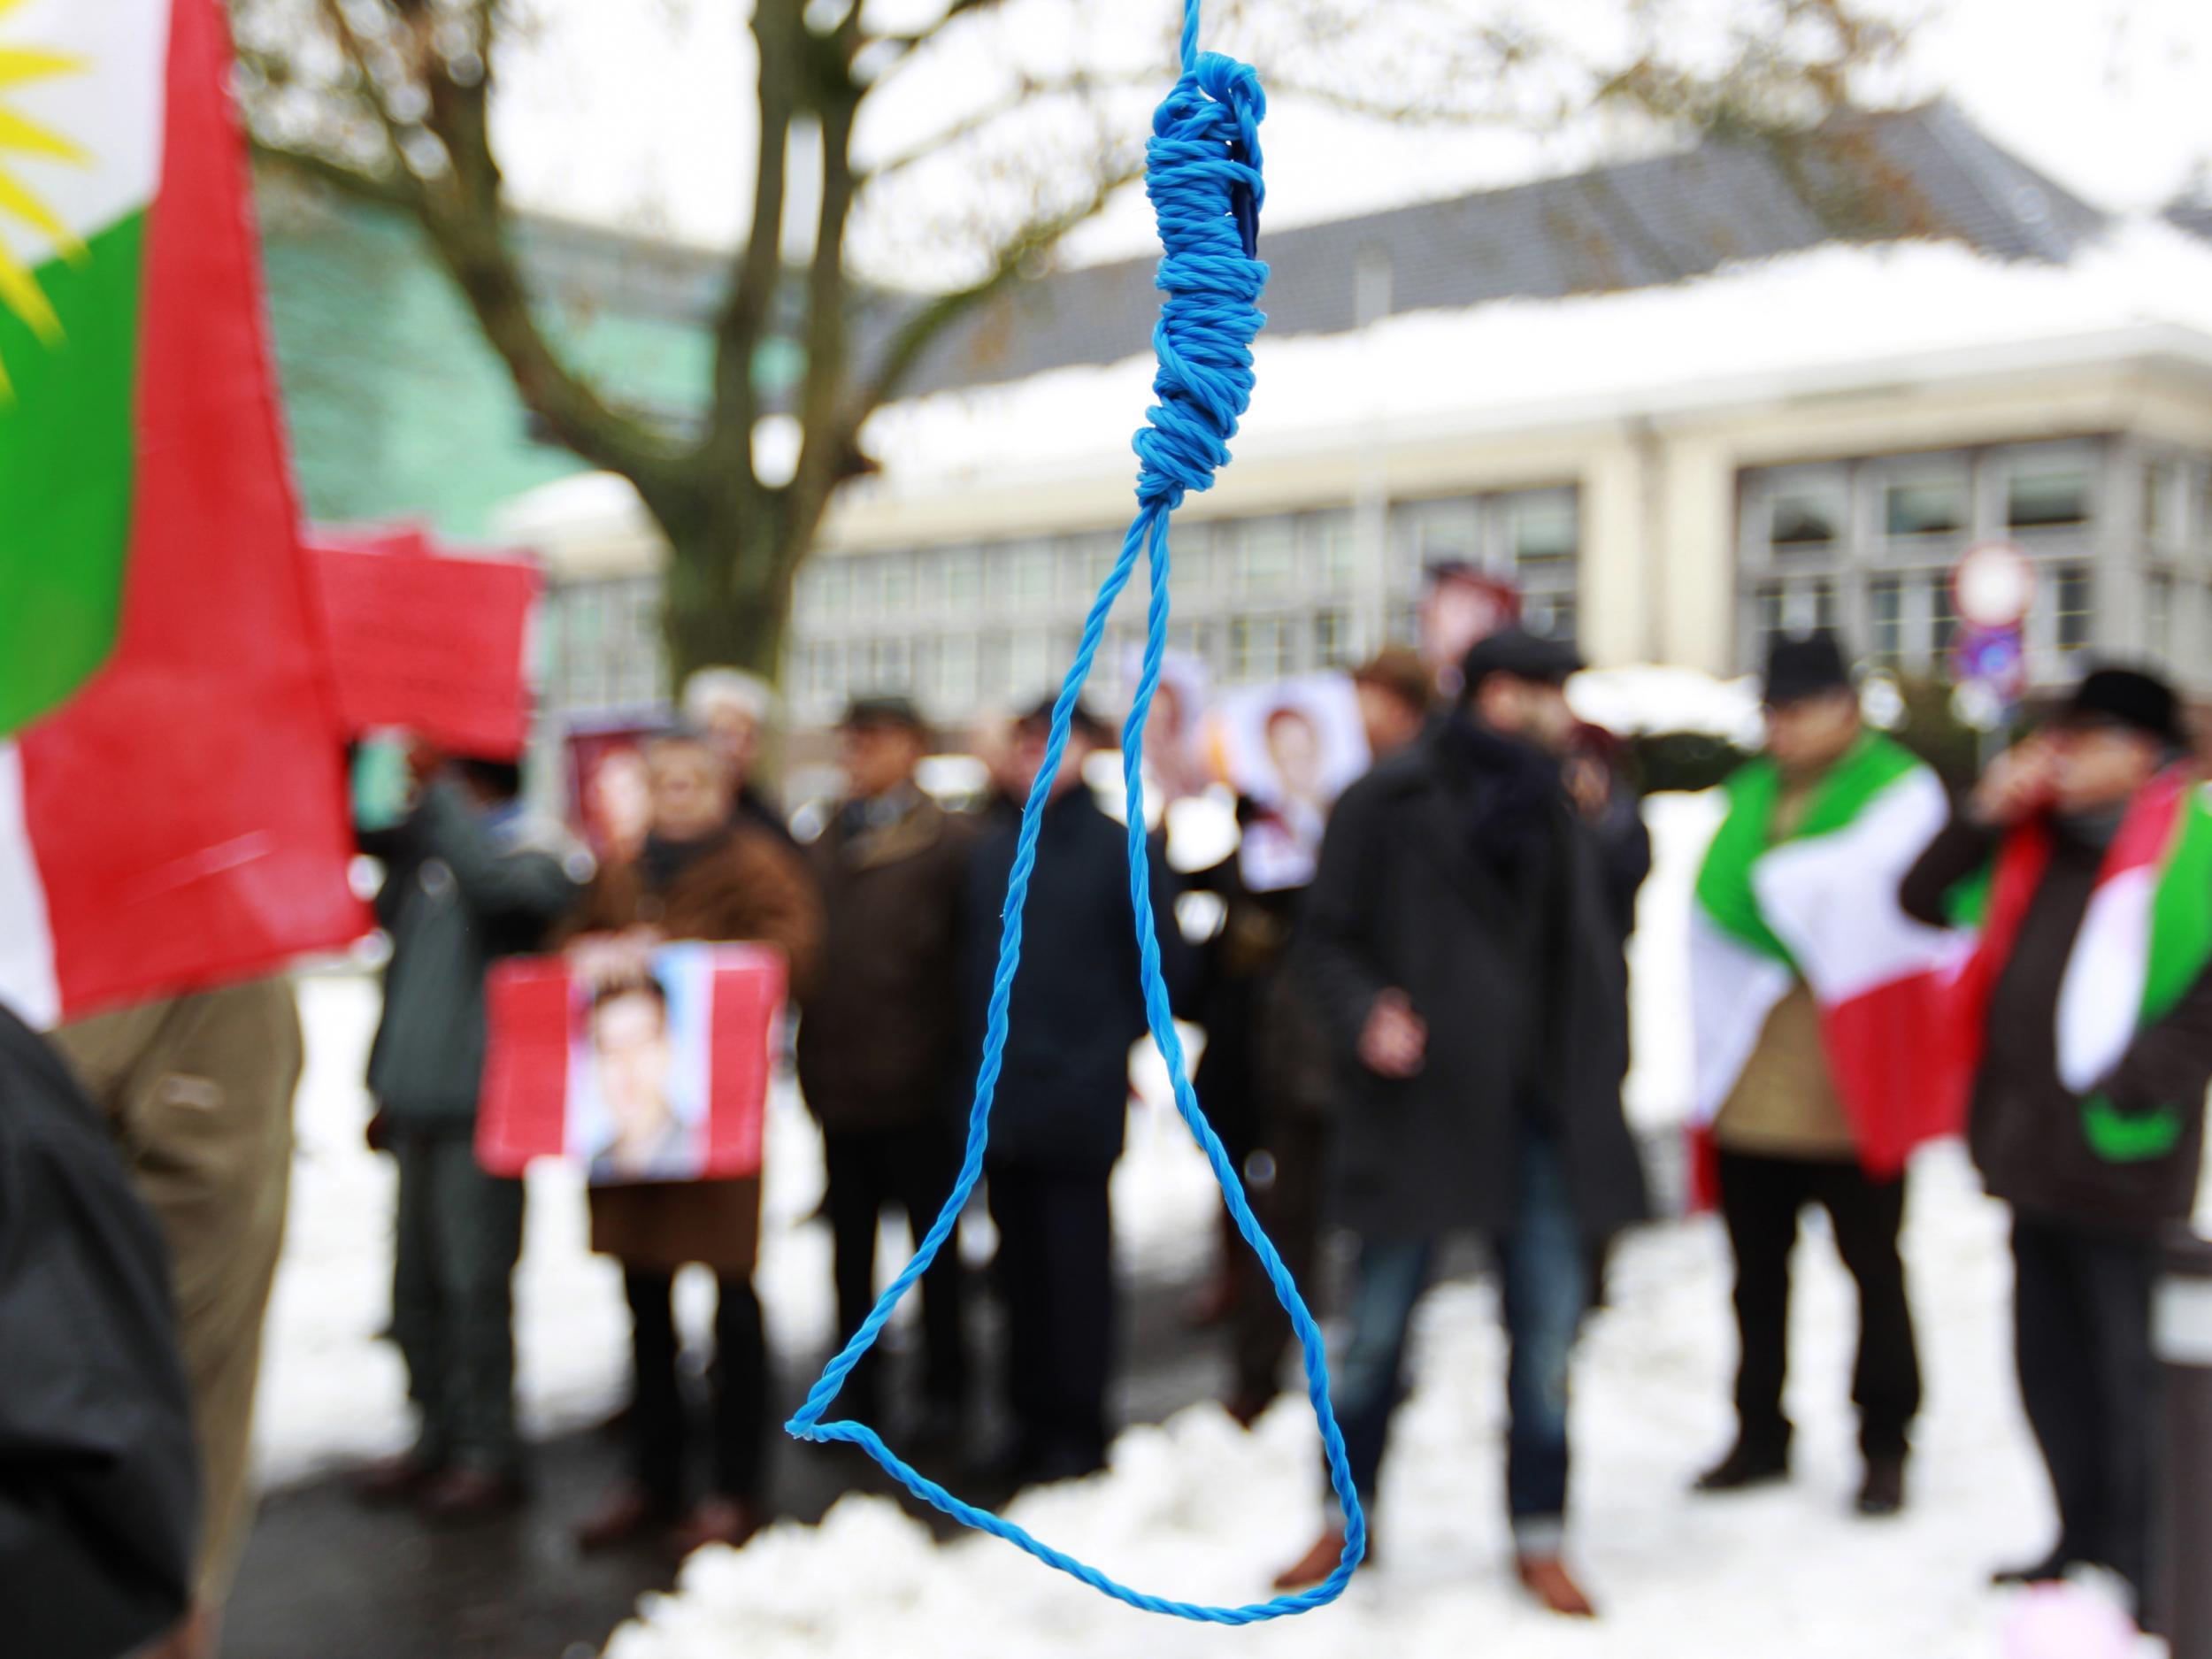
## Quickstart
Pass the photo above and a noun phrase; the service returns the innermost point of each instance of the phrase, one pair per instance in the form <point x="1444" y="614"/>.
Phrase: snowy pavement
<point x="1196" y="1509"/>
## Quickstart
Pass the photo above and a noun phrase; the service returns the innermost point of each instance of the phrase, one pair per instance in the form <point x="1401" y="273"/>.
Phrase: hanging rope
<point x="1203" y="175"/>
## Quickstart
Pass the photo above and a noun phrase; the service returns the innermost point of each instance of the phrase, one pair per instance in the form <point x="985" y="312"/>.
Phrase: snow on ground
<point x="331" y="1391"/>
<point x="1196" y="1509"/>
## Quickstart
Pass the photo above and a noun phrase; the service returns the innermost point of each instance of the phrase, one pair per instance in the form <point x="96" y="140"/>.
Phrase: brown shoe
<point x="714" y="1521"/>
<point x="471" y="1494"/>
<point x="391" y="1480"/>
<point x="627" y="1514"/>
<point x="1318" y="1563"/>
<point x="1546" y="1578"/>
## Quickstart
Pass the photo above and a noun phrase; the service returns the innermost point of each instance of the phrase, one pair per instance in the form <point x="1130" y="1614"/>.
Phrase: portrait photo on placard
<point x="1291" y="749"/>
<point x="639" y="1057"/>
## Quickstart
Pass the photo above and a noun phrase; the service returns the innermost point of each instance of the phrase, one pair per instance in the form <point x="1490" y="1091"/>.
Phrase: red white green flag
<point x="171" y="811"/>
<point x="1821" y="904"/>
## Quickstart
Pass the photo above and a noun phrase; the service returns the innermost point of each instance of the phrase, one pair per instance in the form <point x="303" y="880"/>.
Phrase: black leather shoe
<point x="1746" y="1467"/>
<point x="1882" y="1494"/>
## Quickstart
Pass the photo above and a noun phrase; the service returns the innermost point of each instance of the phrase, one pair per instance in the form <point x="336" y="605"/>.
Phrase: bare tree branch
<point x="386" y="189"/>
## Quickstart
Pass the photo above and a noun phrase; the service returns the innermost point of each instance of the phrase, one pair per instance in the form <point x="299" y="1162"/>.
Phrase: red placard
<point x="661" y="1075"/>
<point x="426" y="640"/>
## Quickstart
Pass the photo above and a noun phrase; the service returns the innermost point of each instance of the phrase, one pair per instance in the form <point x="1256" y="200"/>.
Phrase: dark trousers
<point x="1762" y="1199"/>
<point x="913" y="1168"/>
<point x="460" y="1235"/>
<point x="1286" y="1179"/>
<point x="2090" y="1383"/>
<point x="738" y="1388"/>
<point x="1055" y="1270"/>
<point x="1545" y="1280"/>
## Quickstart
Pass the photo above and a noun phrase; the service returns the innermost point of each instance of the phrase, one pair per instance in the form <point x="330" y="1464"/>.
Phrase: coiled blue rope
<point x="1202" y="173"/>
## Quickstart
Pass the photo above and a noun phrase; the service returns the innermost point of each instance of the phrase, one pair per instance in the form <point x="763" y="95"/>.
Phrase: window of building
<point x="2075" y="607"/>
<point x="1029" y="664"/>
<point x="1029" y="573"/>
<point x="1259" y="648"/>
<point x="1543" y="528"/>
<point x="897" y="578"/>
<point x="1805" y="518"/>
<point x="1445" y="533"/>
<point x="890" y="666"/>
<point x="959" y="577"/>
<point x="1335" y="548"/>
<point x="1332" y="639"/>
<point x="867" y="586"/>
<point x="826" y="590"/>
<point x="2047" y="495"/>
<point x="1085" y="563"/>
<point x="1267" y="555"/>
<point x="1943" y="617"/>
<point x="994" y="668"/>
<point x="1925" y="506"/>
<point x="824" y="670"/>
<point x="1794" y="608"/>
<point x="956" y="672"/>
<point x="2158" y="614"/>
<point x="2163" y="507"/>
<point x="1885" y="619"/>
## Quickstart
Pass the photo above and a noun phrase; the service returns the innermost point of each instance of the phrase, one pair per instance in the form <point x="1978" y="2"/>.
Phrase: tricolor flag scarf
<point x="1821" y="904"/>
<point x="2144" y="939"/>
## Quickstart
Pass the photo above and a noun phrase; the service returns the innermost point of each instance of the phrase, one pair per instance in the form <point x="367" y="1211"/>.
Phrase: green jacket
<point x="463" y="888"/>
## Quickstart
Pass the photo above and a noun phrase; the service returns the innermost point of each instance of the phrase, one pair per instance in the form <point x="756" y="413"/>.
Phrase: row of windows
<point x="1908" y="621"/>
<point x="1799" y="514"/>
<point x="1535" y="532"/>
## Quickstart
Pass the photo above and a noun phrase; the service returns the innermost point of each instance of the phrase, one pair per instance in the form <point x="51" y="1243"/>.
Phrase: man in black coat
<point x="1461" y="948"/>
<point x="99" y="1487"/>
<point x="2094" y="1164"/>
<point x="879" y="1049"/>
<point x="1062" y="1096"/>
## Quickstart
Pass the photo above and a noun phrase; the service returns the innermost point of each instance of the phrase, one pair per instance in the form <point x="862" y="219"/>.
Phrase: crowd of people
<point x="1428" y="1038"/>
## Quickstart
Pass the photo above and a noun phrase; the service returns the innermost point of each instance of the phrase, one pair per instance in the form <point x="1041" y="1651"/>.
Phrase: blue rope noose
<point x="1202" y="173"/>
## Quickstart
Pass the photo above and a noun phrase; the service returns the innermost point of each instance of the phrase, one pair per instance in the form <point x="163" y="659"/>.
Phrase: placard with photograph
<point x="655" y="1070"/>
<point x="1290" y="748"/>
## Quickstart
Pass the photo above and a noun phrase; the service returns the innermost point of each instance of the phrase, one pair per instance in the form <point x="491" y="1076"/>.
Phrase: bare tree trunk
<point x="732" y="557"/>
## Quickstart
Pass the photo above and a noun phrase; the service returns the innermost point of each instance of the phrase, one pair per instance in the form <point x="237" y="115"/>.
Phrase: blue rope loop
<point x="1202" y="167"/>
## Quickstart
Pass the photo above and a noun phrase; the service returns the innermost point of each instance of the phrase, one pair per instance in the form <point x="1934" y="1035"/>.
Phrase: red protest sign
<point x="657" y="1074"/>
<point x="429" y="641"/>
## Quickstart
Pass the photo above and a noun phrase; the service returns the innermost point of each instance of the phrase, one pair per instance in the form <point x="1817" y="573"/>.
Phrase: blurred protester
<point x="995" y="742"/>
<point x="1598" y="783"/>
<point x="1062" y="1095"/>
<point x="1396" y="691"/>
<point x="2090" y="1008"/>
<point x="698" y="877"/>
<point x="198" y="1093"/>
<point x="731" y="710"/>
<point x="468" y="878"/>
<point x="1460" y="948"/>
<point x="879" y="1047"/>
<point x="100" y="1504"/>
<point x="1785" y="1139"/>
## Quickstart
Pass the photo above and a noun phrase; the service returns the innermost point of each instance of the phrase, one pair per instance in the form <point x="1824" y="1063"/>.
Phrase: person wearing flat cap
<point x="1462" y="951"/>
<point x="2085" y="860"/>
<point x="879" y="1045"/>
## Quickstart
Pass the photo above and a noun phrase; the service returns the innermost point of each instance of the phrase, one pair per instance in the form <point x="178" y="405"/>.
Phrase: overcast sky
<point x="638" y="112"/>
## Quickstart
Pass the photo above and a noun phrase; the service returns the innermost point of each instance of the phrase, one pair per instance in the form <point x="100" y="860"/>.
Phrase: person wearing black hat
<point x="1062" y="1095"/>
<point x="1462" y="952"/>
<point x="2093" y="1029"/>
<point x="878" y="1047"/>
<point x="1786" y="1133"/>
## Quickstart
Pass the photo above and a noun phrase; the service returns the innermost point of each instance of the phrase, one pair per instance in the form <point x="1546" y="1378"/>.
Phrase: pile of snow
<point x="1648" y="697"/>
<point x="1197" y="1509"/>
<point x="1833" y="316"/>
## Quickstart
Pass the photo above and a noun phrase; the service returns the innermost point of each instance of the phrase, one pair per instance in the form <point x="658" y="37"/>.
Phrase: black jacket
<point x="1458" y="873"/>
<point x="99" y="1487"/>
<point x="2025" y="1126"/>
<point x="1076" y="1007"/>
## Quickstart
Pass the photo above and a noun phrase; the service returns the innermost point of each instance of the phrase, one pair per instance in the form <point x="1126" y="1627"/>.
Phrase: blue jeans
<point x="1544" y="1268"/>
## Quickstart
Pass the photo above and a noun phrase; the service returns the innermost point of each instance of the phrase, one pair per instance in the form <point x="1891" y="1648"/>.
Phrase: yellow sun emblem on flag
<point x="20" y="136"/>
